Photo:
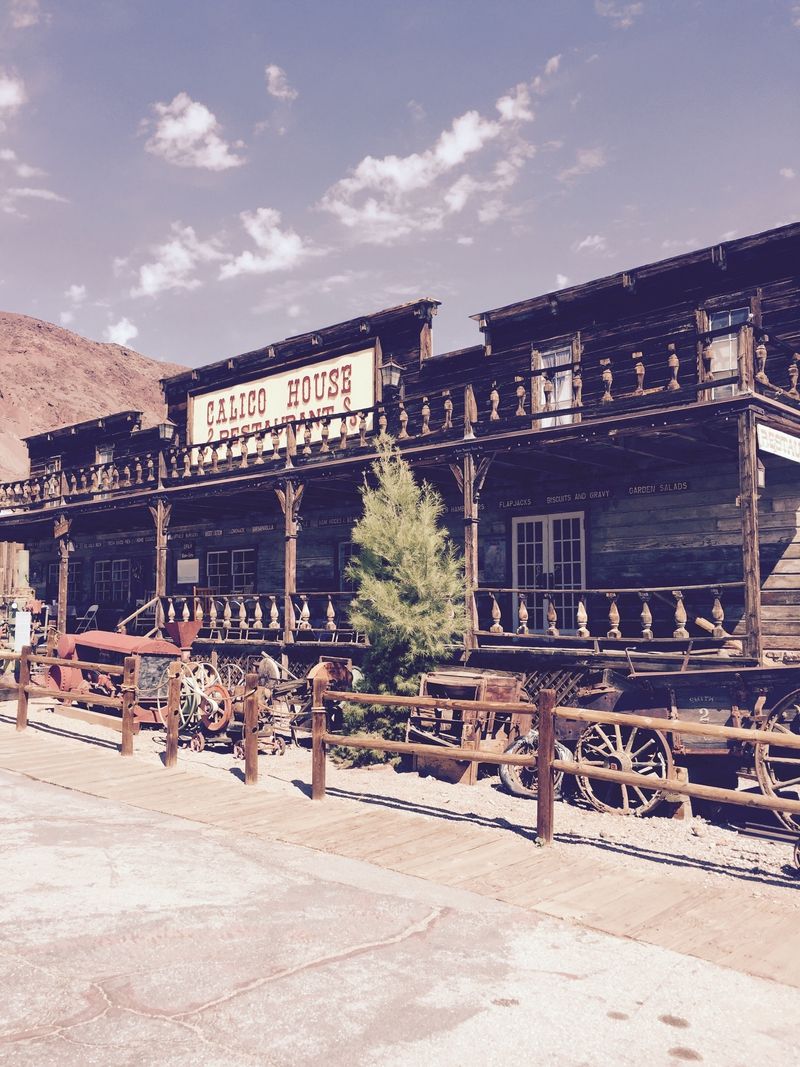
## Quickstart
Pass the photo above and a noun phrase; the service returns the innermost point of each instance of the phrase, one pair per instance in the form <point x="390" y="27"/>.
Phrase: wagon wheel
<point x="216" y="708"/>
<point x="188" y="704"/>
<point x="231" y="674"/>
<point x="778" y="769"/>
<point x="197" y="742"/>
<point x="205" y="674"/>
<point x="524" y="781"/>
<point x="623" y="748"/>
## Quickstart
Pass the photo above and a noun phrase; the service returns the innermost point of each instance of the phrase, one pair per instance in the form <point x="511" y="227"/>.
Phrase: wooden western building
<point x="619" y="462"/>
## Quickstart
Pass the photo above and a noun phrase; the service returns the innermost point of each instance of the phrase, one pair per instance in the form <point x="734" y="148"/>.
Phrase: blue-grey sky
<point x="196" y="179"/>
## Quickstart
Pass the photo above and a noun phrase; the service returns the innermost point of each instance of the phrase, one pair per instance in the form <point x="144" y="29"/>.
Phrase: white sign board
<point x="22" y="630"/>
<point x="188" y="572"/>
<point x="333" y="386"/>
<point x="785" y="445"/>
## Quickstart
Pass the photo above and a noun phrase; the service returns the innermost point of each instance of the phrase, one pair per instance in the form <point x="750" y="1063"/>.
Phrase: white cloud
<point x="22" y="170"/>
<point x="795" y="16"/>
<point x="66" y="318"/>
<point x="387" y="198"/>
<point x="176" y="262"/>
<point x="465" y="240"/>
<point x="672" y="244"/>
<point x="294" y="311"/>
<point x="76" y="294"/>
<point x="562" y="280"/>
<point x="552" y="65"/>
<point x="119" y="333"/>
<point x="9" y="198"/>
<point x="417" y="111"/>
<point x="278" y="84"/>
<point x="12" y="96"/>
<point x="594" y="242"/>
<point x="622" y="16"/>
<point x="278" y="249"/>
<point x="586" y="160"/>
<point x="788" y="173"/>
<point x="26" y="13"/>
<point x="189" y="135"/>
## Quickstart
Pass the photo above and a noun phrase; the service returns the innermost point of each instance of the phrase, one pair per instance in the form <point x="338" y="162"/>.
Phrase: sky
<point x="197" y="179"/>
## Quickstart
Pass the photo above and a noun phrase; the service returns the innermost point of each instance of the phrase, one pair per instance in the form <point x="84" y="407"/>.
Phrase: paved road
<point x="130" y="938"/>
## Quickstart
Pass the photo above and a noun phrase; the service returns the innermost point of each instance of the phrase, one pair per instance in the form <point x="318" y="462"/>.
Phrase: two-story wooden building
<point x="619" y="460"/>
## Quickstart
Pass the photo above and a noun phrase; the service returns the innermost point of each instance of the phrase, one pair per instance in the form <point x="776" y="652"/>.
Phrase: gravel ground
<point x="700" y="850"/>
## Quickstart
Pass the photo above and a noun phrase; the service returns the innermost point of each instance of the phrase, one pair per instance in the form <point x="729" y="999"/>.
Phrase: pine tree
<point x="409" y="584"/>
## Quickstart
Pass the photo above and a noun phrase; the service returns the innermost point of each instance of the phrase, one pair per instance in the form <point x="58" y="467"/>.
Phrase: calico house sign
<point x="307" y="393"/>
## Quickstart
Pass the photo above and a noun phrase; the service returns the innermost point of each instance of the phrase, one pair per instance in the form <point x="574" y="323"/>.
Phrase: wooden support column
<point x="748" y="503"/>
<point x="61" y="531"/>
<point x="160" y="512"/>
<point x="290" y="495"/>
<point x="470" y="477"/>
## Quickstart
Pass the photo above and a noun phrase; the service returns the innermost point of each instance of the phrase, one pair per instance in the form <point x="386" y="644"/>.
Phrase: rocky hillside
<point x="50" y="376"/>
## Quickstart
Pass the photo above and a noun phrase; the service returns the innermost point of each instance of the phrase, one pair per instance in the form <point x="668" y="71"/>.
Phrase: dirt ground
<point x="700" y="849"/>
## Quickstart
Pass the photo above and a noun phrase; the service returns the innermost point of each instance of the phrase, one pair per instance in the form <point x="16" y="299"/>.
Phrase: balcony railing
<point x="514" y="400"/>
<point x="706" y="614"/>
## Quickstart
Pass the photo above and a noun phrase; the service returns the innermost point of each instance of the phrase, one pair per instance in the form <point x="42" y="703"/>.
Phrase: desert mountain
<point x="50" y="377"/>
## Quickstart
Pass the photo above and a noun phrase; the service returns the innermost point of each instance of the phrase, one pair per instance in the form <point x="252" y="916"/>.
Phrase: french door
<point x="548" y="560"/>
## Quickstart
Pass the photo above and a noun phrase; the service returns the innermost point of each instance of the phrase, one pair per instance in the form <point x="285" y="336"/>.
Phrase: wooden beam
<point x="748" y="503"/>
<point x="290" y="495"/>
<point x="160" y="512"/>
<point x="61" y="531"/>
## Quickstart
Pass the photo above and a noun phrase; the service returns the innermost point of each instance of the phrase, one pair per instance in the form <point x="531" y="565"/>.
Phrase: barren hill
<point x="51" y="377"/>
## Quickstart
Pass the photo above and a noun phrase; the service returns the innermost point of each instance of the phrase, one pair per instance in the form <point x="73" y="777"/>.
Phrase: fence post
<point x="173" y="715"/>
<point x="251" y="729"/>
<point x="545" y="802"/>
<point x="127" y="705"/>
<point x="24" y="681"/>
<point x="319" y="724"/>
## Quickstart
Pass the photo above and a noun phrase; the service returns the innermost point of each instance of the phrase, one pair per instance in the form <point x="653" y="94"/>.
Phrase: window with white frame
<point x="218" y="571"/>
<point x="231" y="570"/>
<point x="724" y="350"/>
<point x="73" y="580"/>
<point x="112" y="581"/>
<point x="556" y="365"/>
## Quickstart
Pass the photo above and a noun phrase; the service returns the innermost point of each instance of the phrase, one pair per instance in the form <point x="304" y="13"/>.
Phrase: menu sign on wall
<point x="340" y="384"/>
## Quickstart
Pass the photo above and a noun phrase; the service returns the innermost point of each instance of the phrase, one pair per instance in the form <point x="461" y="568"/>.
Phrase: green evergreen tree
<point x="409" y="585"/>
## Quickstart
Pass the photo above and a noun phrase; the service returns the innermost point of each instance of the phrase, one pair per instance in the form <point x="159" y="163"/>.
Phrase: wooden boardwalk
<point x="725" y="924"/>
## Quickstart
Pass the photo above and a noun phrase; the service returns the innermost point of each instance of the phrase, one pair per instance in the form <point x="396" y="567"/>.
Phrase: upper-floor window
<point x="554" y="384"/>
<point x="724" y="350"/>
<point x="104" y="454"/>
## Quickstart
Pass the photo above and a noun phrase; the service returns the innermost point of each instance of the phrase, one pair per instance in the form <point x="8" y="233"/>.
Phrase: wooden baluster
<point x="674" y="365"/>
<point x="170" y="610"/>
<point x="151" y="468"/>
<point x="582" y="618"/>
<point x="613" y="617"/>
<point x="761" y="361"/>
<point x="185" y="610"/>
<point x="291" y="445"/>
<point x="243" y="622"/>
<point x="494" y="404"/>
<point x="521" y="395"/>
<point x="73" y="481"/>
<point x="214" y="459"/>
<point x="201" y="460"/>
<point x="126" y="475"/>
<point x="547" y="391"/>
<point x="212" y="614"/>
<point x="244" y="450"/>
<point x="680" y="630"/>
<point x="258" y="616"/>
<point x="426" y="417"/>
<point x="306" y="438"/>
<point x="383" y="422"/>
<point x="114" y="476"/>
<point x="229" y="454"/>
<point x="325" y="434"/>
<point x="199" y="614"/>
<point x="274" y="618"/>
<point x="706" y="355"/>
<point x="304" y="621"/>
<point x="793" y="376"/>
<point x="577" y="387"/>
<point x="173" y="463"/>
<point x="259" y="448"/>
<point x="448" y="410"/>
<point x="523" y="615"/>
<point x="402" y="418"/>
<point x="639" y="371"/>
<point x="470" y="413"/>
<point x="342" y="433"/>
<point x="84" y="480"/>
<point x="226" y="617"/>
<point x="717" y="613"/>
<point x="608" y="380"/>
<point x="275" y="439"/>
<point x="187" y="464"/>
<point x="646" y="617"/>
<point x="497" y="618"/>
<point x="362" y="429"/>
<point x="552" y="618"/>
<point x="330" y="615"/>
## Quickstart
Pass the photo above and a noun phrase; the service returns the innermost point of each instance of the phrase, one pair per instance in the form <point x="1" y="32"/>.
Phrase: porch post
<point x="160" y="512"/>
<point x="748" y="503"/>
<point x="290" y="494"/>
<point x="470" y="478"/>
<point x="61" y="531"/>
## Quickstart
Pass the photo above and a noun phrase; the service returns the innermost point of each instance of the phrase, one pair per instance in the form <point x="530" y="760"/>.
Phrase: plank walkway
<point x="725" y="924"/>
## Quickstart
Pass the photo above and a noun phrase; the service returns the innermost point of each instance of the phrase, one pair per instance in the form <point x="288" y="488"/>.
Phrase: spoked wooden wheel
<point x="777" y="768"/>
<point x="216" y="708"/>
<point x="524" y="781"/>
<point x="629" y="749"/>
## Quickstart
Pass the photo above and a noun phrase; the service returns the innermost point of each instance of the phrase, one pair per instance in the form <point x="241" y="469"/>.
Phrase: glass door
<point x="548" y="557"/>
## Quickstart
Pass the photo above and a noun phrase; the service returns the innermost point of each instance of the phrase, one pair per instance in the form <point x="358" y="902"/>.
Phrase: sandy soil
<point x="700" y="850"/>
